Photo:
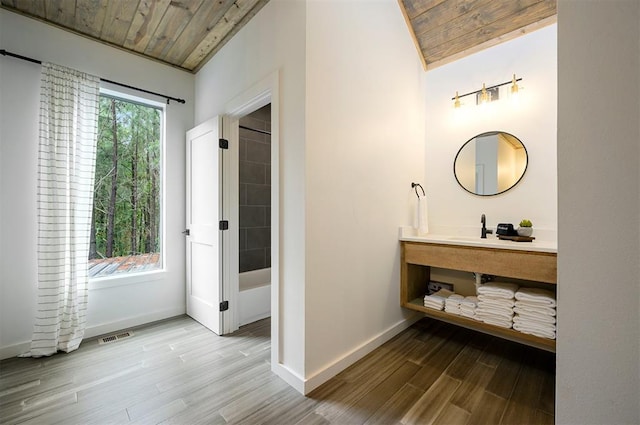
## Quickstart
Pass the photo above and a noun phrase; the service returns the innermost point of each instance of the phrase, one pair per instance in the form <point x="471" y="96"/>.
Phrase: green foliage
<point x="526" y="223"/>
<point x="136" y="220"/>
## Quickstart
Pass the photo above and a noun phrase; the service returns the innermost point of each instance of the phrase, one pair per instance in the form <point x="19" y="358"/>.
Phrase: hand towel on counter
<point x="537" y="296"/>
<point x="498" y="290"/>
<point x="421" y="217"/>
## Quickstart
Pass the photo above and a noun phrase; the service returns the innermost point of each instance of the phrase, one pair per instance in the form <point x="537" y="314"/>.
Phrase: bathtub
<point x="255" y="296"/>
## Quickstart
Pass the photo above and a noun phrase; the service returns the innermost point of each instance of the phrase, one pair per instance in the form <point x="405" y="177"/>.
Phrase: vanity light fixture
<point x="488" y="94"/>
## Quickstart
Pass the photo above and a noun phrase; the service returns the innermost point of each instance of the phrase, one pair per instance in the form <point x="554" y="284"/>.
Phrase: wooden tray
<point x="516" y="238"/>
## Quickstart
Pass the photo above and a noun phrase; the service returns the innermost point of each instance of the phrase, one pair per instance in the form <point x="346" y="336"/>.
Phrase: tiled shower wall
<point x="255" y="191"/>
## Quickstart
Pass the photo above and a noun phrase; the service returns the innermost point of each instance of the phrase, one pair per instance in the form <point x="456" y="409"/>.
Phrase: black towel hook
<point x="414" y="186"/>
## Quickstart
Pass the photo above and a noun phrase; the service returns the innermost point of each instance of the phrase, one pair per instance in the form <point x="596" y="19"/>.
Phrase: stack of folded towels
<point x="437" y="299"/>
<point x="535" y="312"/>
<point x="452" y="304"/>
<point x="468" y="306"/>
<point x="495" y="304"/>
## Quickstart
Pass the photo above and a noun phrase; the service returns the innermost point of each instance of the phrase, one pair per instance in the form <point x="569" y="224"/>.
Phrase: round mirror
<point x="490" y="163"/>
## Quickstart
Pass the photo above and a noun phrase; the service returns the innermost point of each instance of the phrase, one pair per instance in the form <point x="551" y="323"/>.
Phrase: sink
<point x="407" y="234"/>
<point x="470" y="239"/>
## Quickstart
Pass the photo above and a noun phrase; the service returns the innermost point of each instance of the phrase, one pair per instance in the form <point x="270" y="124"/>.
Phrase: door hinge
<point x="186" y="232"/>
<point x="224" y="144"/>
<point x="224" y="306"/>
<point x="224" y="225"/>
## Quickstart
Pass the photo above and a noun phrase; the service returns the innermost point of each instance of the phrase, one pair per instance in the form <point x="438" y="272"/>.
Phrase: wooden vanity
<point x="510" y="261"/>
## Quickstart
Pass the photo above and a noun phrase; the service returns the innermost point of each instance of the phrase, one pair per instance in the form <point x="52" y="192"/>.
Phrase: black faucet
<point x="483" y="234"/>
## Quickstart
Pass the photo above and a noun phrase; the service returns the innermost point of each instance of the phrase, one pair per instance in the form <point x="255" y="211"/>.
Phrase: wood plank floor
<point x="177" y="372"/>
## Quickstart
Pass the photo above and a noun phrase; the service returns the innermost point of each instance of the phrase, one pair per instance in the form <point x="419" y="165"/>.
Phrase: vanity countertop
<point x="407" y="234"/>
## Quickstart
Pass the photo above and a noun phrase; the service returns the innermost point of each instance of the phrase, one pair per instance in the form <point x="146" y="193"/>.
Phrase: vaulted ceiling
<point x="446" y="30"/>
<point x="186" y="33"/>
<point x="182" y="33"/>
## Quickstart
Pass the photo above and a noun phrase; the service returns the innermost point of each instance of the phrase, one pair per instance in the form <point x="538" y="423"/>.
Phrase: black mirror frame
<point x="484" y="134"/>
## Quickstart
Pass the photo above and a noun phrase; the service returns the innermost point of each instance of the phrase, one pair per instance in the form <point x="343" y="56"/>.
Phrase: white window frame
<point x="131" y="278"/>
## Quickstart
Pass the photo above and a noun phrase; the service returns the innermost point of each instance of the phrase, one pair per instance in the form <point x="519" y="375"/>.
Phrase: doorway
<point x="254" y="206"/>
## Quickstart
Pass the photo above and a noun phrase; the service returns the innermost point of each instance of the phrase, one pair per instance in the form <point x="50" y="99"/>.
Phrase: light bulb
<point x="456" y="103"/>
<point x="514" y="86"/>
<point x="484" y="96"/>
<point x="515" y="90"/>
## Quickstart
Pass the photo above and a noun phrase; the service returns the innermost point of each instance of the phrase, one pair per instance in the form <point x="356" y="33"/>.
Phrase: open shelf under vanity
<point x="417" y="258"/>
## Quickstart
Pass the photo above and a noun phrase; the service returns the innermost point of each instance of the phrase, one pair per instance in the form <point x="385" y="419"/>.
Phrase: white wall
<point x="599" y="236"/>
<point x="351" y="142"/>
<point x="533" y="121"/>
<point x="273" y="42"/>
<point x="112" y="308"/>
<point x="365" y="144"/>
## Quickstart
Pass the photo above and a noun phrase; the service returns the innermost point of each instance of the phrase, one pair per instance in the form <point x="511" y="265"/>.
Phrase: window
<point x="127" y="207"/>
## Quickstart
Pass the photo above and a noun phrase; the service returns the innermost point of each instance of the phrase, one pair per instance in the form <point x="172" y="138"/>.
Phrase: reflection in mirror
<point x="490" y="163"/>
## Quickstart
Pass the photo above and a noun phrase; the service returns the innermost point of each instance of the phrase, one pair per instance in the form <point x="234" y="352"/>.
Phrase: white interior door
<point x="204" y="213"/>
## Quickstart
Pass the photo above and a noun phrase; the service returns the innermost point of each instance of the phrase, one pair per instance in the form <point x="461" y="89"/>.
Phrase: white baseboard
<point x="101" y="329"/>
<point x="328" y="372"/>
<point x="289" y="376"/>
<point x="130" y="322"/>
<point x="14" y="350"/>
<point x="254" y="304"/>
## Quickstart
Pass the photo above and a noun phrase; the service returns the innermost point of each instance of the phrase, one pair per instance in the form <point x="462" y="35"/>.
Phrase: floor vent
<point x="114" y="338"/>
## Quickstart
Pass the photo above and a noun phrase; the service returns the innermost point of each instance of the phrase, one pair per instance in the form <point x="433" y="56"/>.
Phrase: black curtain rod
<point x="15" y="55"/>
<point x="255" y="129"/>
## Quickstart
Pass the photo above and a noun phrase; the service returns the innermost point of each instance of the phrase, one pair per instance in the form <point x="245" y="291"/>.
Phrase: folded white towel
<point x="455" y="298"/>
<point x="442" y="293"/>
<point x="433" y="307"/>
<point x="539" y="321"/>
<point x="451" y="310"/>
<point x="535" y="308"/>
<point x="469" y="301"/>
<point x="497" y="322"/>
<point x="527" y="315"/>
<point x="467" y="313"/>
<point x="536" y="296"/>
<point x="494" y="313"/>
<point x="436" y="300"/>
<point x="498" y="302"/>
<point x="541" y="331"/>
<point x="498" y="289"/>
<point x="492" y="307"/>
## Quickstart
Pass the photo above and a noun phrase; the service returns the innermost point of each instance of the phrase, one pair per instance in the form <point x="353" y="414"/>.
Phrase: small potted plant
<point x="526" y="228"/>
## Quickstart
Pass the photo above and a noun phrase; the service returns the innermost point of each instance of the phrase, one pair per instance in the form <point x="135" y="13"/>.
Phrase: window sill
<point x="128" y="279"/>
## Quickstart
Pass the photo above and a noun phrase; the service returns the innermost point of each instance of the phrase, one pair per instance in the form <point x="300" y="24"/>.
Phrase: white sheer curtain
<point x="67" y="154"/>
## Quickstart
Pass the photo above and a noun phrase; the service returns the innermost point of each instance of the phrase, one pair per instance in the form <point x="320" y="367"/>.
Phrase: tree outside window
<point x="125" y="227"/>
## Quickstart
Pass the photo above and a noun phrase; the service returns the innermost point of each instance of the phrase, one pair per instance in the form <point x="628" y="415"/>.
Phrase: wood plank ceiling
<point x="446" y="30"/>
<point x="181" y="33"/>
<point x="186" y="33"/>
